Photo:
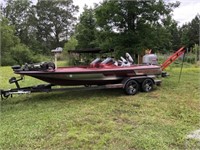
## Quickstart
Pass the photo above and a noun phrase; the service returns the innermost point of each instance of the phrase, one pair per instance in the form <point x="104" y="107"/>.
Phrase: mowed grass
<point x="102" y="119"/>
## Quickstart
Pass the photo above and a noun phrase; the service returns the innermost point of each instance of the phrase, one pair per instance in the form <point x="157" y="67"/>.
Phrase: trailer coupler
<point x="5" y="94"/>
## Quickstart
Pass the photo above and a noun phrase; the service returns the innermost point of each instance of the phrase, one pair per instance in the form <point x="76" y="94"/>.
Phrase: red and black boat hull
<point x="91" y="76"/>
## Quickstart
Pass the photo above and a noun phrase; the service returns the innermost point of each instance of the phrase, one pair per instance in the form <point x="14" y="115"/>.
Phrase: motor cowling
<point x="150" y="59"/>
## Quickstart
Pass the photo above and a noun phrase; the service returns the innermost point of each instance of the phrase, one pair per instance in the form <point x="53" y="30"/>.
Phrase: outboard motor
<point x="150" y="59"/>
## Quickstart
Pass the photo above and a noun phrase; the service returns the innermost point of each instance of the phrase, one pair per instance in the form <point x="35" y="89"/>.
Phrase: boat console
<point x="111" y="62"/>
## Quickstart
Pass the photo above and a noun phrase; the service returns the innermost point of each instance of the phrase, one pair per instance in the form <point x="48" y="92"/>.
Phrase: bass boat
<point x="107" y="73"/>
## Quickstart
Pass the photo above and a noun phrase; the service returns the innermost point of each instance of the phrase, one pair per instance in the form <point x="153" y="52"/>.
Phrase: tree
<point x="71" y="44"/>
<point x="55" y="22"/>
<point x="176" y="36"/>
<point x="135" y="25"/>
<point x="12" y="51"/>
<point x="18" y="13"/>
<point x="170" y="36"/>
<point x="193" y="33"/>
<point x="8" y="40"/>
<point x="86" y="29"/>
<point x="190" y="32"/>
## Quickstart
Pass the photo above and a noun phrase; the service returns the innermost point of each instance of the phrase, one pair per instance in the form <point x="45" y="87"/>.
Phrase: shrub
<point x="190" y="58"/>
<point x="22" y="54"/>
<point x="7" y="60"/>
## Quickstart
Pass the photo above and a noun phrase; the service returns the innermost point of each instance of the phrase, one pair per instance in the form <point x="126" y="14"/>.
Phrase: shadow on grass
<point x="69" y="95"/>
<point x="78" y="95"/>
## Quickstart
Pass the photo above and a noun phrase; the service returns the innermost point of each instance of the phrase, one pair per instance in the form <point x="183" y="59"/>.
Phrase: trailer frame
<point x="50" y="87"/>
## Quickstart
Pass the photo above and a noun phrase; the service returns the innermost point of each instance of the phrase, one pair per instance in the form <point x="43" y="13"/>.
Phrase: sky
<point x="187" y="10"/>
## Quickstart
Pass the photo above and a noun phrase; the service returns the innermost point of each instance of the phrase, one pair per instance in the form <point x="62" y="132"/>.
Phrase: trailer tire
<point x="131" y="87"/>
<point x="147" y="85"/>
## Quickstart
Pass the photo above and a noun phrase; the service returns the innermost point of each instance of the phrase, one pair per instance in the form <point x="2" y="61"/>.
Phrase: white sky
<point x="187" y="10"/>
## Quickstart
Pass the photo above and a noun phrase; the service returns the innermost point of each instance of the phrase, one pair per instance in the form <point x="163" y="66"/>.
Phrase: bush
<point x="22" y="54"/>
<point x="19" y="54"/>
<point x="7" y="60"/>
<point x="190" y="58"/>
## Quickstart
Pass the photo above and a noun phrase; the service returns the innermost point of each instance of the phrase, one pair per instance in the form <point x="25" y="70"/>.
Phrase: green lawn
<point x="102" y="119"/>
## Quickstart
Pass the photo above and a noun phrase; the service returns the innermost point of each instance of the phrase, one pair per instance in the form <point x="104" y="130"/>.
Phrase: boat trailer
<point x="130" y="85"/>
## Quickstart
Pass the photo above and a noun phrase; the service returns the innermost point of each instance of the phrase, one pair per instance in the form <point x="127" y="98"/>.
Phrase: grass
<point x="102" y="119"/>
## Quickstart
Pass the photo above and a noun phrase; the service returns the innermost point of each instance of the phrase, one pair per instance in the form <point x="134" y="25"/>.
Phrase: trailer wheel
<point x="147" y="85"/>
<point x="131" y="87"/>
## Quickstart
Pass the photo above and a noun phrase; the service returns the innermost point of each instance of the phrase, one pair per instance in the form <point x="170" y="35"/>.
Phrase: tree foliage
<point x="190" y="32"/>
<point x="12" y="51"/>
<point x="8" y="40"/>
<point x="19" y="13"/>
<point x="55" y="22"/>
<point x="22" y="54"/>
<point x="86" y="29"/>
<point x="46" y="25"/>
<point x="71" y="44"/>
<point x="29" y="29"/>
<point x="136" y="25"/>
